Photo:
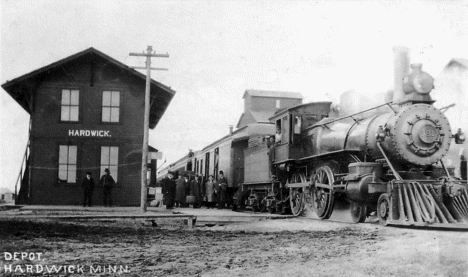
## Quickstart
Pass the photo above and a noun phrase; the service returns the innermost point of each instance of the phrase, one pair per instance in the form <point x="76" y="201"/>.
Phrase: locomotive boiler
<point x="385" y="160"/>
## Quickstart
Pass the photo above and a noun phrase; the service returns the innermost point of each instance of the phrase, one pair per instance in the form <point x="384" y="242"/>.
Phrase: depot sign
<point x="89" y="133"/>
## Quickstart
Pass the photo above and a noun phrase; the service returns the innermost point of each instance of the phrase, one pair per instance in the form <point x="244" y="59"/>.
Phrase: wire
<point x="83" y="168"/>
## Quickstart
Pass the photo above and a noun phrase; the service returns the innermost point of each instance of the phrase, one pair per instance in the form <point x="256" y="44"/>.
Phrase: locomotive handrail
<point x="329" y="153"/>
<point x="352" y="115"/>
<point x="395" y="173"/>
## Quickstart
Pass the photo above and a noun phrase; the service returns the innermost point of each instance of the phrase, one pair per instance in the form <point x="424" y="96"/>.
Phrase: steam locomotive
<point x="385" y="160"/>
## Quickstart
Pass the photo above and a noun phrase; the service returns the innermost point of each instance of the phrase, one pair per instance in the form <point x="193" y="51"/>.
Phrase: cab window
<point x="295" y="128"/>
<point x="278" y="131"/>
<point x="284" y="129"/>
<point x="309" y="120"/>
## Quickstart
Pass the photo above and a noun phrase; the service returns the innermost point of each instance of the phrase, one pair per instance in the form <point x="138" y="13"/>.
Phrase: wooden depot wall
<point x="88" y="134"/>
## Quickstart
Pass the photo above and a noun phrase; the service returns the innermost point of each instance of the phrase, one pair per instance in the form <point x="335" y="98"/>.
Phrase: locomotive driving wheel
<point x="358" y="212"/>
<point x="296" y="195"/>
<point x="323" y="195"/>
<point x="383" y="208"/>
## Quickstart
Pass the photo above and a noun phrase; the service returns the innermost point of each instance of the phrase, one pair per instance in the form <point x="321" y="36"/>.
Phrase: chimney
<point x="401" y="65"/>
<point x="230" y="129"/>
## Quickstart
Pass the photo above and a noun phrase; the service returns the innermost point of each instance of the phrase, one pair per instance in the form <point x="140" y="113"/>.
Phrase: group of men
<point x="176" y="190"/>
<point x="107" y="183"/>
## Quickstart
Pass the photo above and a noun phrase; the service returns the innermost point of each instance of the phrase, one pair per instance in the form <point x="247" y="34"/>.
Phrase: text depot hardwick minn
<point x="63" y="269"/>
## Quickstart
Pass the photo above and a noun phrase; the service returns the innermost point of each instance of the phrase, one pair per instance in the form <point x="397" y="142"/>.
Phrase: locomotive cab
<point x="290" y="124"/>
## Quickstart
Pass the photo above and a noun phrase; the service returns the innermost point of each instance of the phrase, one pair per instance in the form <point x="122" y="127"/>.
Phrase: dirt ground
<point x="282" y="247"/>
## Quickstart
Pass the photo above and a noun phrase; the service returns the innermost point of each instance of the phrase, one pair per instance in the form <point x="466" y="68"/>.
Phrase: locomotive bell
<point x="413" y="87"/>
<point x="418" y="81"/>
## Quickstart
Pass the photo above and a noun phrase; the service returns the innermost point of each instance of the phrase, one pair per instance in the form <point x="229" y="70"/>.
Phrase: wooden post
<point x="144" y="158"/>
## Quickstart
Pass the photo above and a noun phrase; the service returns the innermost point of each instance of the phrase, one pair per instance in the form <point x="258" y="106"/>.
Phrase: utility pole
<point x="144" y="160"/>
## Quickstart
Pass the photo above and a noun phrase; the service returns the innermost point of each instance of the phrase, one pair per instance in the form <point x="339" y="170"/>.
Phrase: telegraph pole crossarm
<point x="144" y="160"/>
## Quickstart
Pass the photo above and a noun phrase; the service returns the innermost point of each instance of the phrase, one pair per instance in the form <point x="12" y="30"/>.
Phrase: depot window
<point x="67" y="163"/>
<point x="70" y="105"/>
<point x="110" y="160"/>
<point x="110" y="106"/>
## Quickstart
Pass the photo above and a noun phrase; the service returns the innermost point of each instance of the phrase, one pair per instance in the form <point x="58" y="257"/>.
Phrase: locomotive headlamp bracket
<point x="381" y="134"/>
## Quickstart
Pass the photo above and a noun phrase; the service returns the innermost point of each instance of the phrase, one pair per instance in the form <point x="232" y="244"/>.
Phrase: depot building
<point x="86" y="114"/>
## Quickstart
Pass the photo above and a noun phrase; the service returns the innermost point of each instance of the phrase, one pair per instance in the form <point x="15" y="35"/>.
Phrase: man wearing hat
<point x="107" y="183"/>
<point x="221" y="188"/>
<point x="169" y="190"/>
<point x="88" y="186"/>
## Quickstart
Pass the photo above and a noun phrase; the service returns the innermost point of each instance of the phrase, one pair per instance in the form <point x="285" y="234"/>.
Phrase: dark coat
<point x="168" y="188"/>
<point x="221" y="184"/>
<point x="187" y="186"/>
<point x="180" y="190"/>
<point x="107" y="181"/>
<point x="195" y="191"/>
<point x="87" y="184"/>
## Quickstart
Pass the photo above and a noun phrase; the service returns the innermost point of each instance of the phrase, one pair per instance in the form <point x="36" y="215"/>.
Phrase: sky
<point x="218" y="49"/>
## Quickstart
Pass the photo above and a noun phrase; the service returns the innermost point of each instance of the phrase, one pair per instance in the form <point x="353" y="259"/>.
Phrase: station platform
<point x="198" y="217"/>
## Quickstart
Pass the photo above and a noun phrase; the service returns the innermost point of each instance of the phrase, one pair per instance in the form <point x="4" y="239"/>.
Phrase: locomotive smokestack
<point x="401" y="65"/>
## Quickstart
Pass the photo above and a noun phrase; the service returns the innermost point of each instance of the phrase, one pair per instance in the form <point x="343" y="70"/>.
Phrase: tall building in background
<point x="260" y="105"/>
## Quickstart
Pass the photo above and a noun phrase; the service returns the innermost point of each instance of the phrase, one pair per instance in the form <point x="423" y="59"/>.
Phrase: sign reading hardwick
<point x="88" y="133"/>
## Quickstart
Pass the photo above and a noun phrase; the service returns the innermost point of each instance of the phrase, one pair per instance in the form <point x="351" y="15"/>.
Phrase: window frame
<point x="70" y="89"/>
<point x="110" y="106"/>
<point x="285" y="129"/>
<point x="216" y="162"/>
<point x="102" y="166"/>
<point x="207" y="163"/>
<point x="67" y="164"/>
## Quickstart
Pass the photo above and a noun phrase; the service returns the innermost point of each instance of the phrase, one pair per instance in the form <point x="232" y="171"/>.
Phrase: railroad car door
<point x="238" y="161"/>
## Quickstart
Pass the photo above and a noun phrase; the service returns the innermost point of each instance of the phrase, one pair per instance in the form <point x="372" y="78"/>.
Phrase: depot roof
<point x="23" y="88"/>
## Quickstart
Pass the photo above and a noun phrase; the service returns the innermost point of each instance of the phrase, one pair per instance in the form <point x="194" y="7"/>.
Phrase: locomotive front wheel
<point x="383" y="208"/>
<point x="358" y="212"/>
<point x="323" y="196"/>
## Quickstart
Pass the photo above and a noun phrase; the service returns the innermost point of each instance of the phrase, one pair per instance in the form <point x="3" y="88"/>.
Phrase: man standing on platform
<point x="169" y="190"/>
<point x="180" y="191"/>
<point x="88" y="186"/>
<point x="221" y="188"/>
<point x="107" y="182"/>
